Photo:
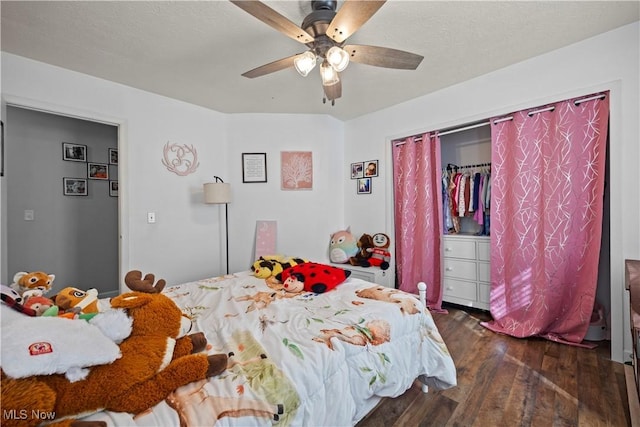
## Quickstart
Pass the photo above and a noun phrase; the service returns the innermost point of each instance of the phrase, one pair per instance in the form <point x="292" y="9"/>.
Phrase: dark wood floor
<point x="505" y="381"/>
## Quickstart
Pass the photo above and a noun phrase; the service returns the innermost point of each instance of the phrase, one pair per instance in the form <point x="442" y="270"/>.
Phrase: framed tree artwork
<point x="296" y="170"/>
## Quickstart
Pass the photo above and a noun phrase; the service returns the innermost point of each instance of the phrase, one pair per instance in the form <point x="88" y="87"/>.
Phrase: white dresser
<point x="466" y="270"/>
<point x="370" y="274"/>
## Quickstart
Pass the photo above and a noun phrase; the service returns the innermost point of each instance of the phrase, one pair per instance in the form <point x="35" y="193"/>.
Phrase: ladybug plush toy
<point x="312" y="277"/>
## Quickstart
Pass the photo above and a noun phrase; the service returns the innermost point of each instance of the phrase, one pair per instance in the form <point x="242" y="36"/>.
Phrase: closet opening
<point x="466" y="250"/>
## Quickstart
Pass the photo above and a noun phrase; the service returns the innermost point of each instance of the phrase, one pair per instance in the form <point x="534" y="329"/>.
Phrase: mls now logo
<point x="23" y="414"/>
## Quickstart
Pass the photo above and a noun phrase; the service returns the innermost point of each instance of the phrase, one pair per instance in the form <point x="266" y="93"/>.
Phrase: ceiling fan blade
<point x="334" y="91"/>
<point x="271" y="67"/>
<point x="351" y="16"/>
<point x="274" y="19"/>
<point x="383" y="57"/>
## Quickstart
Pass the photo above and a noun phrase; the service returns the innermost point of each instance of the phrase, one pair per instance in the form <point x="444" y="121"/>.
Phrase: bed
<point x="307" y="359"/>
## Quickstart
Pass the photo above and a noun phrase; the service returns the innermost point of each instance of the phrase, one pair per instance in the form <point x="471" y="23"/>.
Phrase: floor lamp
<point x="217" y="193"/>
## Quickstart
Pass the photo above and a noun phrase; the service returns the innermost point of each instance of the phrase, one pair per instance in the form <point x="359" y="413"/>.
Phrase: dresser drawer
<point x="460" y="289"/>
<point x="460" y="269"/>
<point x="484" y="272"/>
<point x="484" y="251"/>
<point x="484" y="293"/>
<point x="459" y="248"/>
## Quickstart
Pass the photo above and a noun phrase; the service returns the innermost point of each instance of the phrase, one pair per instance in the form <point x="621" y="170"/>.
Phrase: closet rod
<point x="451" y="166"/>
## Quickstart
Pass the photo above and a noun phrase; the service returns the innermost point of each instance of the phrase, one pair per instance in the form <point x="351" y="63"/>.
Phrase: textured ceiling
<point x="197" y="51"/>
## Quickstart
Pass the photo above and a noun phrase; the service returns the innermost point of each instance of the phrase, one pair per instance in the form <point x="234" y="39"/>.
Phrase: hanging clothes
<point x="466" y="195"/>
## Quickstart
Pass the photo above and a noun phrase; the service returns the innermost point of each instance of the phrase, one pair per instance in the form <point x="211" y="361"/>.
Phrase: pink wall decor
<point x="296" y="170"/>
<point x="180" y="159"/>
<point x="266" y="235"/>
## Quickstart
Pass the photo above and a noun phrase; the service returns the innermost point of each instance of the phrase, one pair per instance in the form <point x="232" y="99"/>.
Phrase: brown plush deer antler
<point x="135" y="282"/>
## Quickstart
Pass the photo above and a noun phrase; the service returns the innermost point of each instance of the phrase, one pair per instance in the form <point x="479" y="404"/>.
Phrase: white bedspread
<point x="306" y="360"/>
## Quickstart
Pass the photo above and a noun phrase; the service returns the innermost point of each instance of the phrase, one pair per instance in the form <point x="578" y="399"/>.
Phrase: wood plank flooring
<point x="505" y="381"/>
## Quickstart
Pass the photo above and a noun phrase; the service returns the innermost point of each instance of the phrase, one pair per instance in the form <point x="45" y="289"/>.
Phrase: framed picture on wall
<point x="357" y="170"/>
<point x="113" y="156"/>
<point x="296" y="170"/>
<point x="74" y="186"/>
<point x="371" y="168"/>
<point x="113" y="188"/>
<point x="254" y="167"/>
<point x="97" y="171"/>
<point x="364" y="186"/>
<point x="74" y="152"/>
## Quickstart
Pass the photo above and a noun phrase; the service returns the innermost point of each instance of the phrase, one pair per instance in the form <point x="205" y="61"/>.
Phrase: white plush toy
<point x="56" y="345"/>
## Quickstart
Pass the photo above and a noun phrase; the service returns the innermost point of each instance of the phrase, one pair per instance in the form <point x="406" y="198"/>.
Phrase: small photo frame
<point x="74" y="152"/>
<point x="97" y="171"/>
<point x="370" y="168"/>
<point x="113" y="156"/>
<point x="364" y="185"/>
<point x="74" y="186"/>
<point x="357" y="170"/>
<point x="254" y="167"/>
<point x="113" y="188"/>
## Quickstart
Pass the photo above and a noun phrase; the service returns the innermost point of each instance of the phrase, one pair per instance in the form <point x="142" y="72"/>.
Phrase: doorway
<point x="61" y="214"/>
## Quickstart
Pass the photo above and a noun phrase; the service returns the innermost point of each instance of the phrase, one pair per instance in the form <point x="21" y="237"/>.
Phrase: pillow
<point x="52" y="345"/>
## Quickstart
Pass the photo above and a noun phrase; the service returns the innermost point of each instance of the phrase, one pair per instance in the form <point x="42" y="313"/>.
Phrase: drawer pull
<point x="448" y="249"/>
<point x="449" y="269"/>
<point x="450" y="288"/>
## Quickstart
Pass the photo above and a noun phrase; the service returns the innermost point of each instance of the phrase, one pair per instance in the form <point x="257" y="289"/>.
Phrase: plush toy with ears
<point x="380" y="255"/>
<point x="365" y="242"/>
<point x="155" y="361"/>
<point x="78" y="301"/>
<point x="34" y="283"/>
<point x="342" y="246"/>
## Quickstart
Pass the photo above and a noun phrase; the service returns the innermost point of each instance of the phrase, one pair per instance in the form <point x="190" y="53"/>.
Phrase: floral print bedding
<point x="300" y="359"/>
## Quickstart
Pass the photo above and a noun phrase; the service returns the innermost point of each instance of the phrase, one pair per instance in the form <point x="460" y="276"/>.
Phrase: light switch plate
<point x="29" y="215"/>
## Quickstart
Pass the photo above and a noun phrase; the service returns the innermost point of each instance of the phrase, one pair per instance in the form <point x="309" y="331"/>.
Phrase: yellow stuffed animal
<point x="266" y="267"/>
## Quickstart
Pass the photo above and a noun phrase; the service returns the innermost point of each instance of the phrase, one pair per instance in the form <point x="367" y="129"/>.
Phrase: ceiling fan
<point x="324" y="31"/>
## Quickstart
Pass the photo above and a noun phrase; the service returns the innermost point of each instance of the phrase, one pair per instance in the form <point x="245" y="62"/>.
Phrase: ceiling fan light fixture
<point x="338" y="58"/>
<point x="329" y="74"/>
<point x="305" y="62"/>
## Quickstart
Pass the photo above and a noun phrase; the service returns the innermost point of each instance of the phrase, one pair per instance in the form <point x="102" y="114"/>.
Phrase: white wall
<point x="187" y="241"/>
<point x="305" y="218"/>
<point x="606" y="62"/>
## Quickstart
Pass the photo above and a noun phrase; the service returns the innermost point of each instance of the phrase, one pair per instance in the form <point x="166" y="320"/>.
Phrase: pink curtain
<point x="418" y="215"/>
<point x="547" y="191"/>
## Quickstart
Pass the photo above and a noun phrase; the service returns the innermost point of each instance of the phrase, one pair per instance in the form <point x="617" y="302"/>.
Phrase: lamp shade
<point x="217" y="192"/>
<point x="328" y="74"/>
<point x="338" y="58"/>
<point x="305" y="63"/>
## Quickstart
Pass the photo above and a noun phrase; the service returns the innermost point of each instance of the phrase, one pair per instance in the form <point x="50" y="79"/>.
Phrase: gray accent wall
<point x="73" y="237"/>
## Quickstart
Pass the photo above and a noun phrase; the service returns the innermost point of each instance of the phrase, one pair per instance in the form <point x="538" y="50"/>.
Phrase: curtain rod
<point x="418" y="137"/>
